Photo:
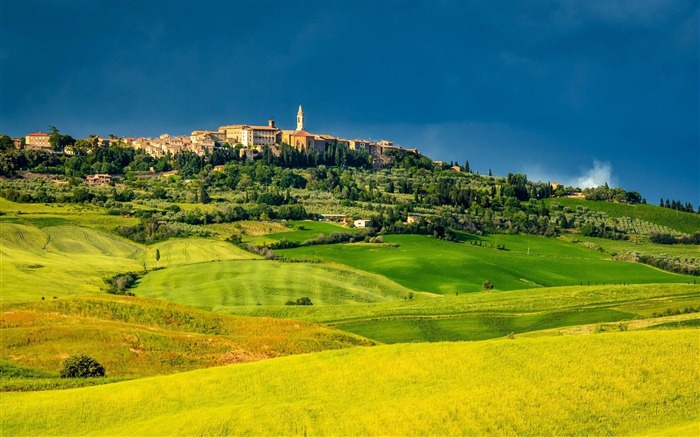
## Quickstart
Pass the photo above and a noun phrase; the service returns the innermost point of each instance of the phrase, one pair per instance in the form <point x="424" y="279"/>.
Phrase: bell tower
<point x="300" y="119"/>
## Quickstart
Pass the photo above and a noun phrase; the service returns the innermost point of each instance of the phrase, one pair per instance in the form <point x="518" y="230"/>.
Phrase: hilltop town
<point x="247" y="139"/>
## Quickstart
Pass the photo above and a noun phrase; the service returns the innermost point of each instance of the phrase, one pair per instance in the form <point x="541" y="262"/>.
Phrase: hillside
<point x="262" y="282"/>
<point x="436" y="266"/>
<point x="560" y="386"/>
<point x="136" y="337"/>
<point x="487" y="314"/>
<point x="680" y="221"/>
<point x="67" y="260"/>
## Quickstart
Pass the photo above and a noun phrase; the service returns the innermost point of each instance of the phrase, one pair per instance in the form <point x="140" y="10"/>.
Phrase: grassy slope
<point x="483" y="315"/>
<point x="194" y="250"/>
<point x="554" y="385"/>
<point x="60" y="260"/>
<point x="431" y="265"/>
<point x="686" y="222"/>
<point x="140" y="337"/>
<point x="66" y="260"/>
<point x="217" y="284"/>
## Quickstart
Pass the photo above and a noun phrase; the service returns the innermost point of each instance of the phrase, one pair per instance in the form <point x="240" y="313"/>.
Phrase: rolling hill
<point x="136" y="337"/>
<point x="570" y="385"/>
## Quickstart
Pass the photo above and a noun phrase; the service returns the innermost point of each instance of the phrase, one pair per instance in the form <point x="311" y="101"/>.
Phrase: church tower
<point x="300" y="119"/>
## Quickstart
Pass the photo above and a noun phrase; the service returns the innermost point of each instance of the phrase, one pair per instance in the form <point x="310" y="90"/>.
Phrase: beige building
<point x="37" y="140"/>
<point x="201" y="135"/>
<point x="323" y="141"/>
<point x="359" y="145"/>
<point x="259" y="135"/>
<point x="300" y="140"/>
<point x="98" y="179"/>
<point x="232" y="133"/>
<point x="250" y="136"/>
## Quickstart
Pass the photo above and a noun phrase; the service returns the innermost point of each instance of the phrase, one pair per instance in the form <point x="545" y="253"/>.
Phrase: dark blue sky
<point x="578" y="92"/>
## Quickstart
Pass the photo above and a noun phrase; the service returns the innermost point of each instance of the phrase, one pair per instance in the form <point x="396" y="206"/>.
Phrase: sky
<point x="577" y="92"/>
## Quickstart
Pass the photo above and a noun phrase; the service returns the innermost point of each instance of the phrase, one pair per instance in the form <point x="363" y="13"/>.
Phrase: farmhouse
<point x="98" y="179"/>
<point x="361" y="223"/>
<point x="37" y="140"/>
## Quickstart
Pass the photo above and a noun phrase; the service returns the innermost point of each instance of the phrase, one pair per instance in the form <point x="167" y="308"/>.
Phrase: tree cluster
<point x="677" y="205"/>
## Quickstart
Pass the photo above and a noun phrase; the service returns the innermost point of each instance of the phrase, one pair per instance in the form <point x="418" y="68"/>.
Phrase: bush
<point x="81" y="366"/>
<point x="300" y="301"/>
<point x="488" y="285"/>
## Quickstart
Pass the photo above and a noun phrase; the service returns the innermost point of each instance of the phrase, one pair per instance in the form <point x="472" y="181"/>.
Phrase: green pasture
<point x="488" y="314"/>
<point x="570" y="385"/>
<point x="262" y="282"/>
<point x="641" y="300"/>
<point x="476" y="327"/>
<point x="68" y="260"/>
<point x="136" y="337"/>
<point x="685" y="222"/>
<point x="435" y="266"/>
<point x="194" y="250"/>
<point x="60" y="260"/>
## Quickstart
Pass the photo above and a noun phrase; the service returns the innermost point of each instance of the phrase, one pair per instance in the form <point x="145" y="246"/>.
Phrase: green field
<point x="69" y="260"/>
<point x="194" y="250"/>
<point x="554" y="385"/>
<point x="485" y="315"/>
<point x="435" y="266"/>
<point x="262" y="282"/>
<point x="60" y="261"/>
<point x="569" y="342"/>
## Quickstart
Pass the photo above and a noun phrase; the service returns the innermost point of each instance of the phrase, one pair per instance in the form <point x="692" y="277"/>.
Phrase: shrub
<point x="488" y="285"/>
<point x="81" y="366"/>
<point x="300" y="301"/>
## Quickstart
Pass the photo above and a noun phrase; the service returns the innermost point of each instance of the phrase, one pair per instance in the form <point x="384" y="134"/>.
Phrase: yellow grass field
<point x="627" y="383"/>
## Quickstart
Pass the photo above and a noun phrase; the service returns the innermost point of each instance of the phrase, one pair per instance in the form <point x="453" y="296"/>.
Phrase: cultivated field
<point x="488" y="314"/>
<point x="554" y="385"/>
<point x="60" y="261"/>
<point x="261" y="282"/>
<point x="435" y="266"/>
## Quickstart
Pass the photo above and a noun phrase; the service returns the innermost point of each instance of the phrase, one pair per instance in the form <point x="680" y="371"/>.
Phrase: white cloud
<point x="600" y="174"/>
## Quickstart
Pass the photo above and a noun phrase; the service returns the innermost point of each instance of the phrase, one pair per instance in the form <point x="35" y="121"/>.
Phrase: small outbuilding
<point x="361" y="223"/>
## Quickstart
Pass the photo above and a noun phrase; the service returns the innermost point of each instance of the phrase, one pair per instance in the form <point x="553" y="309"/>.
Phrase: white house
<point x="361" y="223"/>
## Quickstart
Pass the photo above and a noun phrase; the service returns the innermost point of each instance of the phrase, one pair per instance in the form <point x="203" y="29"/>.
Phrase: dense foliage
<point x="81" y="366"/>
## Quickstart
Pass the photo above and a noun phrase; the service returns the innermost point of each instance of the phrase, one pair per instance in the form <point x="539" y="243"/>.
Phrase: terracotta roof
<point x="262" y="128"/>
<point x="301" y="133"/>
<point x="38" y="134"/>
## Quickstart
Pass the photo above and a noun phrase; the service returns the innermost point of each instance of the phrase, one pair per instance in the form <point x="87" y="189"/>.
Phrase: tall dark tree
<point x="6" y="143"/>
